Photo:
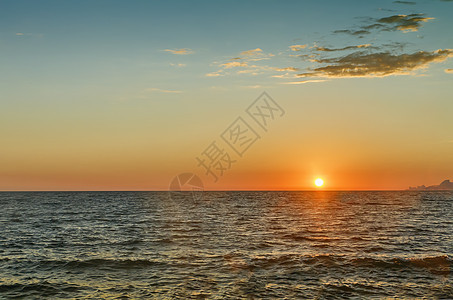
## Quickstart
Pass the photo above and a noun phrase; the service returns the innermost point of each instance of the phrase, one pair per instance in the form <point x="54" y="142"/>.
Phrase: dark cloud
<point x="395" y="45"/>
<point x="375" y="26"/>
<point x="404" y="23"/>
<point x="374" y="59"/>
<point x="306" y="56"/>
<point x="352" y="32"/>
<point x="362" y="64"/>
<point x="341" y="49"/>
<point x="405" y="2"/>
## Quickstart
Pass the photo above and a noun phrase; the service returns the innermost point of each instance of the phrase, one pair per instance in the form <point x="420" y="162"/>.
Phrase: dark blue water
<point x="315" y="245"/>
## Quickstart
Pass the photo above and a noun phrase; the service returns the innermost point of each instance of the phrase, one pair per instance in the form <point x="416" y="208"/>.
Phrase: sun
<point x="319" y="182"/>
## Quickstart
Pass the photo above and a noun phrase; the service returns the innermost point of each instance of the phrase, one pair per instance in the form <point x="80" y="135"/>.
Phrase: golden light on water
<point x="319" y="182"/>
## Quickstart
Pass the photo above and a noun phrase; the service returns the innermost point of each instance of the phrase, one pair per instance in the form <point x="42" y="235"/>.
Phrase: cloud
<point x="305" y="81"/>
<point x="306" y="56"/>
<point x="182" y="51"/>
<point x="367" y="60"/>
<point x="261" y="58"/>
<point x="341" y="49"/>
<point x="403" y="22"/>
<point x="248" y="71"/>
<point x="358" y="59"/>
<point x="256" y="51"/>
<point x="291" y="69"/>
<point x="214" y="74"/>
<point x="378" y="58"/>
<point x="156" y="90"/>
<point x="352" y="32"/>
<point x="253" y="86"/>
<point x="361" y="64"/>
<point x="297" y="47"/>
<point x="286" y="76"/>
<point x="28" y="34"/>
<point x="234" y="64"/>
<point x="245" y="62"/>
<point x="178" y="65"/>
<point x="253" y="55"/>
<point x="405" y="2"/>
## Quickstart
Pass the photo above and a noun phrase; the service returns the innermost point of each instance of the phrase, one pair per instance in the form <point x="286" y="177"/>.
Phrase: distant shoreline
<point x="445" y="185"/>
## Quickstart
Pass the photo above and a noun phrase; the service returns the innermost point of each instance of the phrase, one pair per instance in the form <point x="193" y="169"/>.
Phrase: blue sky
<point x="115" y="39"/>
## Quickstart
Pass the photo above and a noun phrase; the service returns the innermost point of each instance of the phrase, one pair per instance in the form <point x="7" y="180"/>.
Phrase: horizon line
<point x="239" y="190"/>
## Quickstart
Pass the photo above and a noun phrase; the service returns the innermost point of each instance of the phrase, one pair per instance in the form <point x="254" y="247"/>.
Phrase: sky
<point x="127" y="95"/>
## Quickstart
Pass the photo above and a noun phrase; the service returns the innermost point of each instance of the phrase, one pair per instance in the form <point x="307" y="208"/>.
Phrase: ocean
<point x="226" y="245"/>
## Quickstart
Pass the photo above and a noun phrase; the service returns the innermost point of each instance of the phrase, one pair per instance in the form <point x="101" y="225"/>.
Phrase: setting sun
<point x="319" y="182"/>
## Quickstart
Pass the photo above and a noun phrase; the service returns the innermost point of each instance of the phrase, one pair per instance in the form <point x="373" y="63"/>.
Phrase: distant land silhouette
<point x="445" y="185"/>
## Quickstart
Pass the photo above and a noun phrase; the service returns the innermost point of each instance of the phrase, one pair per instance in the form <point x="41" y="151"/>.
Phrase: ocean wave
<point x="440" y="265"/>
<point x="93" y="263"/>
<point x="38" y="289"/>
<point x="238" y="245"/>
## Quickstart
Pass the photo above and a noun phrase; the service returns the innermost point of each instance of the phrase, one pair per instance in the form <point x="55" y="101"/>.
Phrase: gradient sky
<point x="124" y="95"/>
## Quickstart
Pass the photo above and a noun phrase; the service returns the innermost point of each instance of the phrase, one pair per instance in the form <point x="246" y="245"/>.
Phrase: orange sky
<point x="92" y="105"/>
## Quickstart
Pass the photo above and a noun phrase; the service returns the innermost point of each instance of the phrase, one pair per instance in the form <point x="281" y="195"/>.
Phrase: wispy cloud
<point x="253" y="55"/>
<point x="253" y="86"/>
<point x="256" y="51"/>
<point x="342" y="49"/>
<point x="404" y="23"/>
<point x="297" y="47"/>
<point x="39" y="35"/>
<point x="249" y="71"/>
<point x="178" y="65"/>
<point x="372" y="59"/>
<point x="234" y="64"/>
<point x="305" y="81"/>
<point x="182" y="51"/>
<point x="156" y="90"/>
<point x="359" y="32"/>
<point x="361" y="64"/>
<point x="405" y="2"/>
<point x="214" y="74"/>
<point x="285" y="76"/>
<point x="449" y="71"/>
<point x="290" y="69"/>
<point x="245" y="63"/>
